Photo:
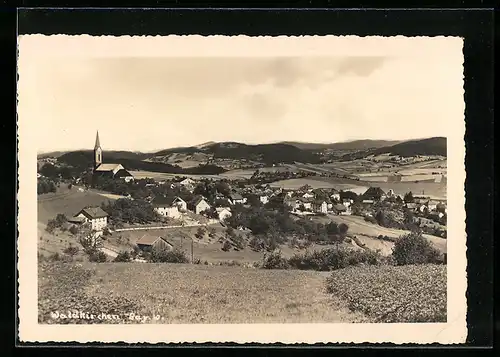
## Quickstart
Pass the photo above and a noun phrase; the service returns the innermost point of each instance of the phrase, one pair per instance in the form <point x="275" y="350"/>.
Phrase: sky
<point x="146" y="103"/>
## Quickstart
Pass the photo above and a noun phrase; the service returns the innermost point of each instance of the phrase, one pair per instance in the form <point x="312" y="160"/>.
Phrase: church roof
<point x="97" y="143"/>
<point x="108" y="167"/>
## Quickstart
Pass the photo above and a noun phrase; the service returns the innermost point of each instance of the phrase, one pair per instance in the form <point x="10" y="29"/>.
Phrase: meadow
<point x="390" y="294"/>
<point x="187" y="293"/>
<point x="368" y="232"/>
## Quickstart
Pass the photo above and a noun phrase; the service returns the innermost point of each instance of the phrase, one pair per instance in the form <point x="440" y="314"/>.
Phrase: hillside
<point x="189" y="293"/>
<point x="264" y="153"/>
<point x="133" y="161"/>
<point x="348" y="145"/>
<point x="430" y="146"/>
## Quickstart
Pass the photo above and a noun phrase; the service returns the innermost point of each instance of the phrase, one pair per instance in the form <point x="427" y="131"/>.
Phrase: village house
<point x="341" y="209"/>
<point x="320" y="206"/>
<point x="308" y="195"/>
<point x="374" y="193"/>
<point x="169" y="206"/>
<point x="96" y="216"/>
<point x="264" y="199"/>
<point x="292" y="203"/>
<point x="113" y="171"/>
<point x="223" y="213"/>
<point x="198" y="205"/>
<point x="236" y="198"/>
<point x="335" y="195"/>
<point x="306" y="202"/>
<point x="188" y="184"/>
<point x="148" y="242"/>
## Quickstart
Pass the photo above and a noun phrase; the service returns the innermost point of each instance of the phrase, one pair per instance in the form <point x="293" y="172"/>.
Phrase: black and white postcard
<point x="241" y="189"/>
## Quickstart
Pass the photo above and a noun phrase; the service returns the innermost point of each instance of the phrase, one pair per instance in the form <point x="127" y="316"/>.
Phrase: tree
<point x="200" y="233"/>
<point x="413" y="248"/>
<point x="89" y="240"/>
<point x="123" y="257"/>
<point x="408" y="197"/>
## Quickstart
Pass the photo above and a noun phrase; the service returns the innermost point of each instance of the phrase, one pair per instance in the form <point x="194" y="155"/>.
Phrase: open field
<point x="185" y="293"/>
<point x="393" y="293"/>
<point x="166" y="176"/>
<point x="206" y="249"/>
<point x="366" y="231"/>
<point x="432" y="189"/>
<point x="320" y="182"/>
<point x="69" y="202"/>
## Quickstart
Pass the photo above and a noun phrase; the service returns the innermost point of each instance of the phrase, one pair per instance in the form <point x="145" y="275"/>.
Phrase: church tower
<point x="97" y="152"/>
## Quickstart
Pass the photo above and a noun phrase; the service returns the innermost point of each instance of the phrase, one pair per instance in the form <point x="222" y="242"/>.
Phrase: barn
<point x="148" y="242"/>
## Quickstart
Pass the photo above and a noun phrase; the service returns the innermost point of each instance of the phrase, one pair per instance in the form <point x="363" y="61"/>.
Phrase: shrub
<point x="55" y="257"/>
<point x="106" y="231"/>
<point x="226" y="246"/>
<point x="274" y="260"/>
<point x="98" y="257"/>
<point x="71" y="250"/>
<point x="51" y="226"/>
<point x="333" y="259"/>
<point x="123" y="257"/>
<point x="413" y="248"/>
<point x="168" y="256"/>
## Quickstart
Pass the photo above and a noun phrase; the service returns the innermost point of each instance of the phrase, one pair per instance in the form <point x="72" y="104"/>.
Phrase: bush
<point x="226" y="246"/>
<point x="333" y="259"/>
<point x="168" y="256"/>
<point x="98" y="257"/>
<point x="123" y="257"/>
<point x="413" y="248"/>
<point x="71" y="250"/>
<point x="274" y="260"/>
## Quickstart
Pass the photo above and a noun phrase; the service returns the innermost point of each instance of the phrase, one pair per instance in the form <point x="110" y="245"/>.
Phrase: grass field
<point x="393" y="293"/>
<point x="320" y="182"/>
<point x="366" y="231"/>
<point x="68" y="202"/>
<point x="166" y="176"/>
<point x="185" y="293"/>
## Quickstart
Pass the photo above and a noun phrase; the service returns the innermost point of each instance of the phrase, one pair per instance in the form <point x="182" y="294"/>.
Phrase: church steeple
<point x="97" y="152"/>
<point x="97" y="143"/>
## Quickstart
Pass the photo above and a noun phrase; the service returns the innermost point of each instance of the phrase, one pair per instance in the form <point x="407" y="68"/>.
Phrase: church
<point x="108" y="170"/>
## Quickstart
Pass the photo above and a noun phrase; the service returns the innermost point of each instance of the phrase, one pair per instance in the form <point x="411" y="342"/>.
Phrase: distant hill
<point x="430" y="146"/>
<point x="51" y="154"/>
<point x="265" y="153"/>
<point x="348" y="145"/>
<point x="84" y="159"/>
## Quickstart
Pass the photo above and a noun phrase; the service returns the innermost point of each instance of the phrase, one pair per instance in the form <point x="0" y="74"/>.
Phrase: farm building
<point x="236" y="198"/>
<point x="223" y="213"/>
<point x="374" y="193"/>
<point x="264" y="199"/>
<point x="148" y="242"/>
<point x="96" y="216"/>
<point x="108" y="170"/>
<point x="341" y="209"/>
<point x="335" y="195"/>
<point x="188" y="184"/>
<point x="320" y="206"/>
<point x="198" y="205"/>
<point x="169" y="206"/>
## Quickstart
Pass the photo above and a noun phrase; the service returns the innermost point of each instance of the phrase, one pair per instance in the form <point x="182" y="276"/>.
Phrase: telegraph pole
<point x="192" y="250"/>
